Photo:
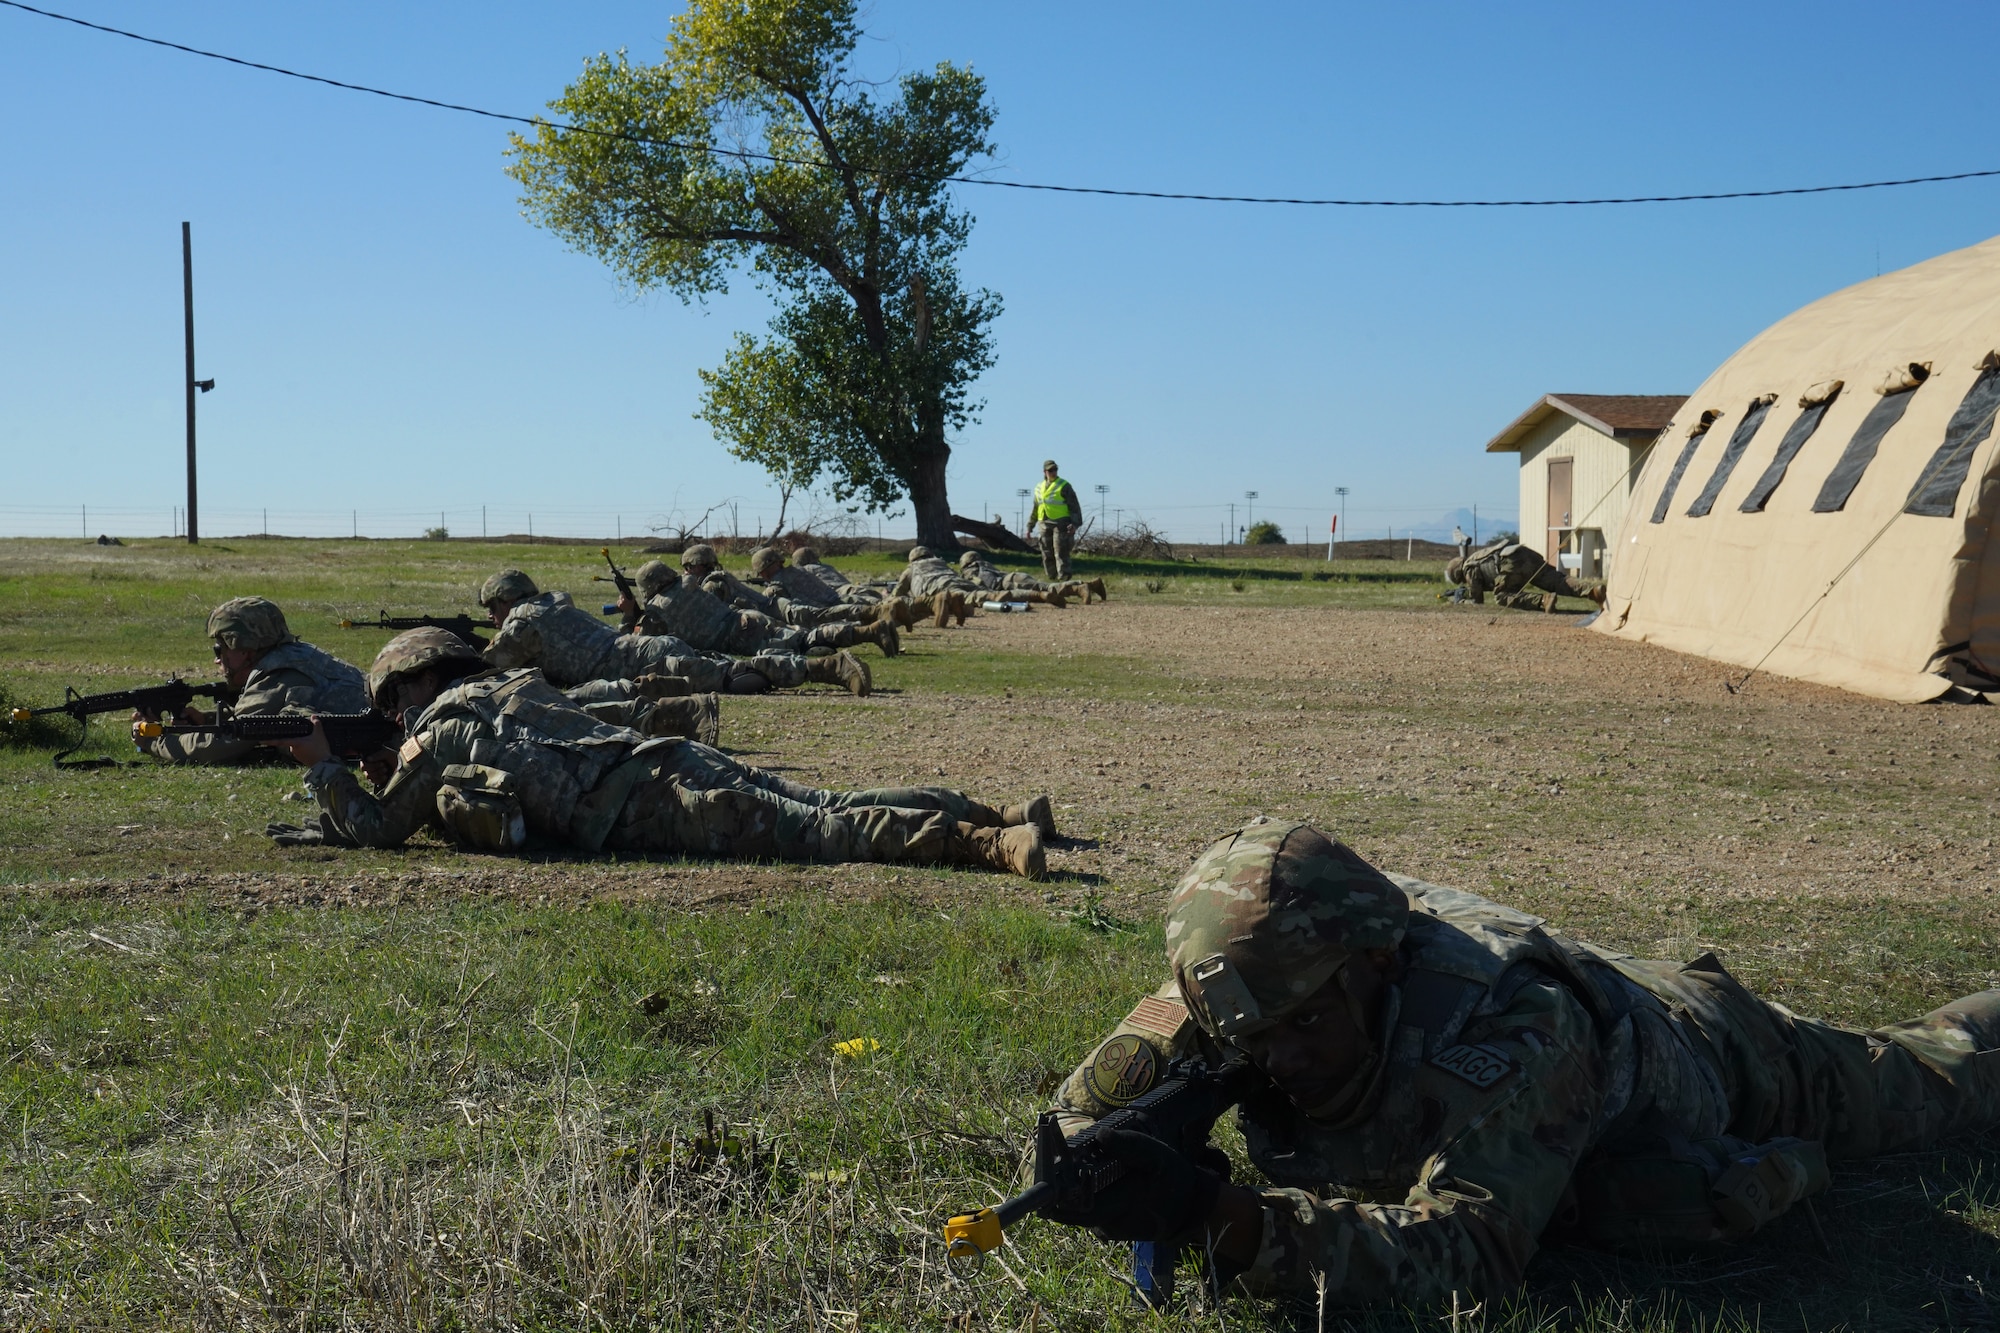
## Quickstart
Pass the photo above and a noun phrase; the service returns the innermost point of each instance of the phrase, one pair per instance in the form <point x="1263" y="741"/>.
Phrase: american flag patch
<point x="1154" y="1014"/>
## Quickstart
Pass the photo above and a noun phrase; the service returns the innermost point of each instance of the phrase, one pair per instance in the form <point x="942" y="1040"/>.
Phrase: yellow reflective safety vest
<point x="1050" y="506"/>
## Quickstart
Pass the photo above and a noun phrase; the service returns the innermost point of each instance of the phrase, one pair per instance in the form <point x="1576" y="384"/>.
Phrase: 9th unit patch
<point x="1124" y="1069"/>
<point x="1481" y="1066"/>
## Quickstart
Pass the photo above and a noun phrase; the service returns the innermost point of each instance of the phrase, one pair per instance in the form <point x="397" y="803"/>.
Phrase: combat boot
<point x="698" y="717"/>
<point x="1038" y="812"/>
<point x="843" y="669"/>
<point x="663" y="687"/>
<point x="1054" y="597"/>
<point x="898" y="611"/>
<point x="1015" y="850"/>
<point x="941" y="605"/>
<point x="883" y="635"/>
<point x="960" y="607"/>
<point x="1095" y="585"/>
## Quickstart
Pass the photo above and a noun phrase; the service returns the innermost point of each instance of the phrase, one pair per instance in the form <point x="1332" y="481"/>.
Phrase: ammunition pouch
<point x="479" y="806"/>
<point x="1678" y="1193"/>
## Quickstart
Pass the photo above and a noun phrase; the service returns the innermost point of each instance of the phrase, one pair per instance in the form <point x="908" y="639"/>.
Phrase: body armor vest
<point x="1462" y="951"/>
<point x="932" y="575"/>
<point x="575" y="645"/>
<point x="689" y="612"/>
<point x="562" y="762"/>
<point x="807" y="589"/>
<point x="336" y="686"/>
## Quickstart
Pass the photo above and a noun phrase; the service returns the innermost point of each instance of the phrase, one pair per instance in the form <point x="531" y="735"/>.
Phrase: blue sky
<point x="390" y="336"/>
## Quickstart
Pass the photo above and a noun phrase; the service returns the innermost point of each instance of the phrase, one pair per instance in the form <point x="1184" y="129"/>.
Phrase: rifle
<point x="1069" y="1173"/>
<point x="619" y="577"/>
<point x="348" y="735"/>
<point x="465" y="627"/>
<point x="169" y="698"/>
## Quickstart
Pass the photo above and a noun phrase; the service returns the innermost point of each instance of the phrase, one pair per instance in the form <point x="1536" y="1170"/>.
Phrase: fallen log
<point x="998" y="536"/>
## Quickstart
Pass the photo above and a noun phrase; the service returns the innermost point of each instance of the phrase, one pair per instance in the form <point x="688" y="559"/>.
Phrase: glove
<point x="322" y="834"/>
<point x="292" y="835"/>
<point x="1162" y="1196"/>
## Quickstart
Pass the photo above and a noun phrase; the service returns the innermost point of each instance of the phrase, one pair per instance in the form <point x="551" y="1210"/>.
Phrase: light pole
<point x="1021" y="511"/>
<point x="1249" y="509"/>
<point x="1341" y="491"/>
<point x="1102" y="491"/>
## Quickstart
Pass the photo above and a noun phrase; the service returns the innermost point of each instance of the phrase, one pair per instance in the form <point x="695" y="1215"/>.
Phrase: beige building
<point x="1580" y="455"/>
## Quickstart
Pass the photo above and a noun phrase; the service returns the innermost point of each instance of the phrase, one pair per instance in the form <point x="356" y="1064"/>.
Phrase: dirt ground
<point x="1618" y="788"/>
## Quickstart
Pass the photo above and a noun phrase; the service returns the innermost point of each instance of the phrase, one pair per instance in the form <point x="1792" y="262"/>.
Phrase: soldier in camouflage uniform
<point x="1026" y="587"/>
<point x="806" y="560"/>
<point x="571" y="646"/>
<point x="1445" y="1080"/>
<point x="701" y="568"/>
<point x="936" y="586"/>
<point x="493" y="757"/>
<point x="1509" y="569"/>
<point x="769" y="571"/>
<point x="686" y="610"/>
<point x="272" y="671"/>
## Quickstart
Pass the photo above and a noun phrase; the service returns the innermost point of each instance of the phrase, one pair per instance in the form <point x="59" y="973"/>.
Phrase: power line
<point x="542" y="122"/>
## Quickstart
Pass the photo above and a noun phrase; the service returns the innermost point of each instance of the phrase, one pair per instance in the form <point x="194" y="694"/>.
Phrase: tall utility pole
<point x="1341" y="491"/>
<point x="187" y="305"/>
<point x="1249" y="509"/>
<point x="193" y="385"/>
<point x="1102" y="492"/>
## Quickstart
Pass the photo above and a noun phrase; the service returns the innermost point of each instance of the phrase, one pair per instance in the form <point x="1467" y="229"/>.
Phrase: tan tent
<point x="1820" y="506"/>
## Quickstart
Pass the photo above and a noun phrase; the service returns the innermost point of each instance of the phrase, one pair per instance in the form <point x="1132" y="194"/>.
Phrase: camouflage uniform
<point x="803" y="598"/>
<point x="1509" y="569"/>
<point x="1518" y="1081"/>
<point x="989" y="576"/>
<point x="698" y="565"/>
<point x="571" y="647"/>
<point x="291" y="676"/>
<point x="806" y="561"/>
<point x="675" y="606"/>
<point x="502" y="755"/>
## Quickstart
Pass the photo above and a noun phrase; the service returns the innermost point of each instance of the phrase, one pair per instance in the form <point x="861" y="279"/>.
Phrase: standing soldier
<point x="1442" y="1079"/>
<point x="1056" y="509"/>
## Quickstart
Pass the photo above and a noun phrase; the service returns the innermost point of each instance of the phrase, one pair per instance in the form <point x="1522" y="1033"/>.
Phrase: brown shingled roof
<point x="1622" y="416"/>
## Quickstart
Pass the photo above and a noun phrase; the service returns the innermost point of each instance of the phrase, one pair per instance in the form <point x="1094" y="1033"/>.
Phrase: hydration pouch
<point x="479" y="807"/>
<point x="1684" y="1193"/>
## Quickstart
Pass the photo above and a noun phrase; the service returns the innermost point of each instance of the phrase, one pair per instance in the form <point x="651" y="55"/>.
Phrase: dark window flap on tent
<point x="1746" y="429"/>
<point x="1860" y="451"/>
<point x="1674" y="478"/>
<point x="1795" y="439"/>
<point x="1936" y="491"/>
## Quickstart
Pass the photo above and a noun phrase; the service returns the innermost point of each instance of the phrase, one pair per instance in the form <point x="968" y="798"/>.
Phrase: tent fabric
<point x="1894" y="591"/>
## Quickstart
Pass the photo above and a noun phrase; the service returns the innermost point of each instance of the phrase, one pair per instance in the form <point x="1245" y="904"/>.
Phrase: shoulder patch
<point x="411" y="751"/>
<point x="1161" y="1017"/>
<point x="1481" y="1066"/>
<point x="1123" y="1069"/>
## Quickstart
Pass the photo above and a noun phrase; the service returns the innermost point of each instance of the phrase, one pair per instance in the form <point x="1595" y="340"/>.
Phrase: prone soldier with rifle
<point x="1433" y="1085"/>
<point x="174" y="699"/>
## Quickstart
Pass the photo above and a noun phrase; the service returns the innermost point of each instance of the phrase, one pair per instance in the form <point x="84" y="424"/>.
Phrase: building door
<point x="1560" y="471"/>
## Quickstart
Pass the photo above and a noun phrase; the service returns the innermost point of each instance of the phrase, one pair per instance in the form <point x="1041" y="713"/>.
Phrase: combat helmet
<point x="971" y="557"/>
<point x="919" y="553"/>
<point x="412" y="651"/>
<point x="701" y="554"/>
<point x="805" y="555"/>
<point x="509" y="585"/>
<point x="766" y="561"/>
<point x="250" y="623"/>
<point x="655" y="577"/>
<point x="1454" y="570"/>
<point x="1266" y="916"/>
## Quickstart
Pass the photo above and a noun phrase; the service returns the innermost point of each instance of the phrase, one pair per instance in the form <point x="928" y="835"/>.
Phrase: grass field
<point x="243" y="1087"/>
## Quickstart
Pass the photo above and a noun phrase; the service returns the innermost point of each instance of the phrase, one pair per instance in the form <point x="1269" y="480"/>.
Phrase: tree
<point x="1265" y="533"/>
<point x="752" y="146"/>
